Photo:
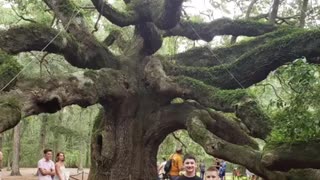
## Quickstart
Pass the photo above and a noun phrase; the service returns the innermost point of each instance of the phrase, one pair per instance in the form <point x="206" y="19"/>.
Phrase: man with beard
<point x="190" y="166"/>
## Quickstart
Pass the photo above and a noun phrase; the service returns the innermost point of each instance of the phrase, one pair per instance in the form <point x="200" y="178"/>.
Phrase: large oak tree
<point x="136" y="88"/>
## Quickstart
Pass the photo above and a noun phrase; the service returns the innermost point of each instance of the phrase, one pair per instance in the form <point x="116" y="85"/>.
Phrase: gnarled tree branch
<point x="283" y="157"/>
<point x="224" y="26"/>
<point x="217" y="147"/>
<point x="113" y="15"/>
<point x="174" y="117"/>
<point x="254" y="66"/>
<point x="40" y="96"/>
<point x="96" y="55"/>
<point x="206" y="57"/>
<point x="42" y="38"/>
<point x="237" y="101"/>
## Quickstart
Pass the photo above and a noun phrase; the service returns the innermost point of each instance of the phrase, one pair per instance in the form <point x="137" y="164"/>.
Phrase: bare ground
<point x="29" y="174"/>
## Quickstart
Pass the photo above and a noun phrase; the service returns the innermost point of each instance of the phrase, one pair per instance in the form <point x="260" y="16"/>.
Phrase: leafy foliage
<point x="293" y="94"/>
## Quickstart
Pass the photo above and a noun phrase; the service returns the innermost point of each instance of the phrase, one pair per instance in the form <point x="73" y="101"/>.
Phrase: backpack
<point x="167" y="166"/>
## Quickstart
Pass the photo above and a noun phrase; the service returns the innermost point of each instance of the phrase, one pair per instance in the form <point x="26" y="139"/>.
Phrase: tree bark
<point x="16" y="150"/>
<point x="304" y="9"/>
<point x="122" y="147"/>
<point x="274" y="11"/>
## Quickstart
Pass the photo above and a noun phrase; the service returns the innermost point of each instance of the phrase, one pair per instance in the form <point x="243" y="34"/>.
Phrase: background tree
<point x="16" y="150"/>
<point x="135" y="85"/>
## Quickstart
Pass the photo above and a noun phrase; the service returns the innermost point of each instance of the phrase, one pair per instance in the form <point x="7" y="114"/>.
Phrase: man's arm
<point x="42" y="171"/>
<point x="52" y="170"/>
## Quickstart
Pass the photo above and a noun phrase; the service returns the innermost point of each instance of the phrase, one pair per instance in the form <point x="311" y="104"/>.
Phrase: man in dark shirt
<point x="190" y="166"/>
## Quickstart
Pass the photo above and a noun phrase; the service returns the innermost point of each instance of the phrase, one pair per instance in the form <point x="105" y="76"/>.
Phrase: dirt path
<point x="29" y="174"/>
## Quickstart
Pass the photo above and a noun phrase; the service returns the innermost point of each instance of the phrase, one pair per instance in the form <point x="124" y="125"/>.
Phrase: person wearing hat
<point x="177" y="164"/>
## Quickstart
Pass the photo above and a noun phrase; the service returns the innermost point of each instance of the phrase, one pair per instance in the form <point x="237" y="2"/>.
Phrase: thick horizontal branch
<point x="48" y="96"/>
<point x="254" y="66"/>
<point x="224" y="26"/>
<point x="35" y="37"/>
<point x="206" y="56"/>
<point x="113" y="15"/>
<point x="95" y="54"/>
<point x="286" y="156"/>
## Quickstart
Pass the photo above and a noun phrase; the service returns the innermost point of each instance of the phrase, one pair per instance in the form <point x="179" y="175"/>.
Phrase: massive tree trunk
<point x="120" y="148"/>
<point x="16" y="150"/>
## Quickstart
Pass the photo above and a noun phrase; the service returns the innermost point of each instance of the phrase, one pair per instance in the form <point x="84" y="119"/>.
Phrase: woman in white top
<point x="61" y="173"/>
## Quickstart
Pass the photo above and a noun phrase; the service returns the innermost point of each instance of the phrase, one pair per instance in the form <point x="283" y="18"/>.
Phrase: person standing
<point x="222" y="170"/>
<point x="202" y="169"/>
<point x="61" y="172"/>
<point x="176" y="164"/>
<point x="190" y="166"/>
<point x="46" y="169"/>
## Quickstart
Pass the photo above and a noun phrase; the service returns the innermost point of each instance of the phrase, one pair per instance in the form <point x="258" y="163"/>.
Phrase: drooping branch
<point x="174" y="116"/>
<point x="255" y="65"/>
<point x="96" y="55"/>
<point x="237" y="101"/>
<point x="121" y="19"/>
<point x="283" y="157"/>
<point x="224" y="26"/>
<point x="39" y="96"/>
<point x="217" y="147"/>
<point x="206" y="57"/>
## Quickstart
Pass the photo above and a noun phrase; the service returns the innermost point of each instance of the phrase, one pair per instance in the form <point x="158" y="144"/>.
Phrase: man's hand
<point x="52" y="172"/>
